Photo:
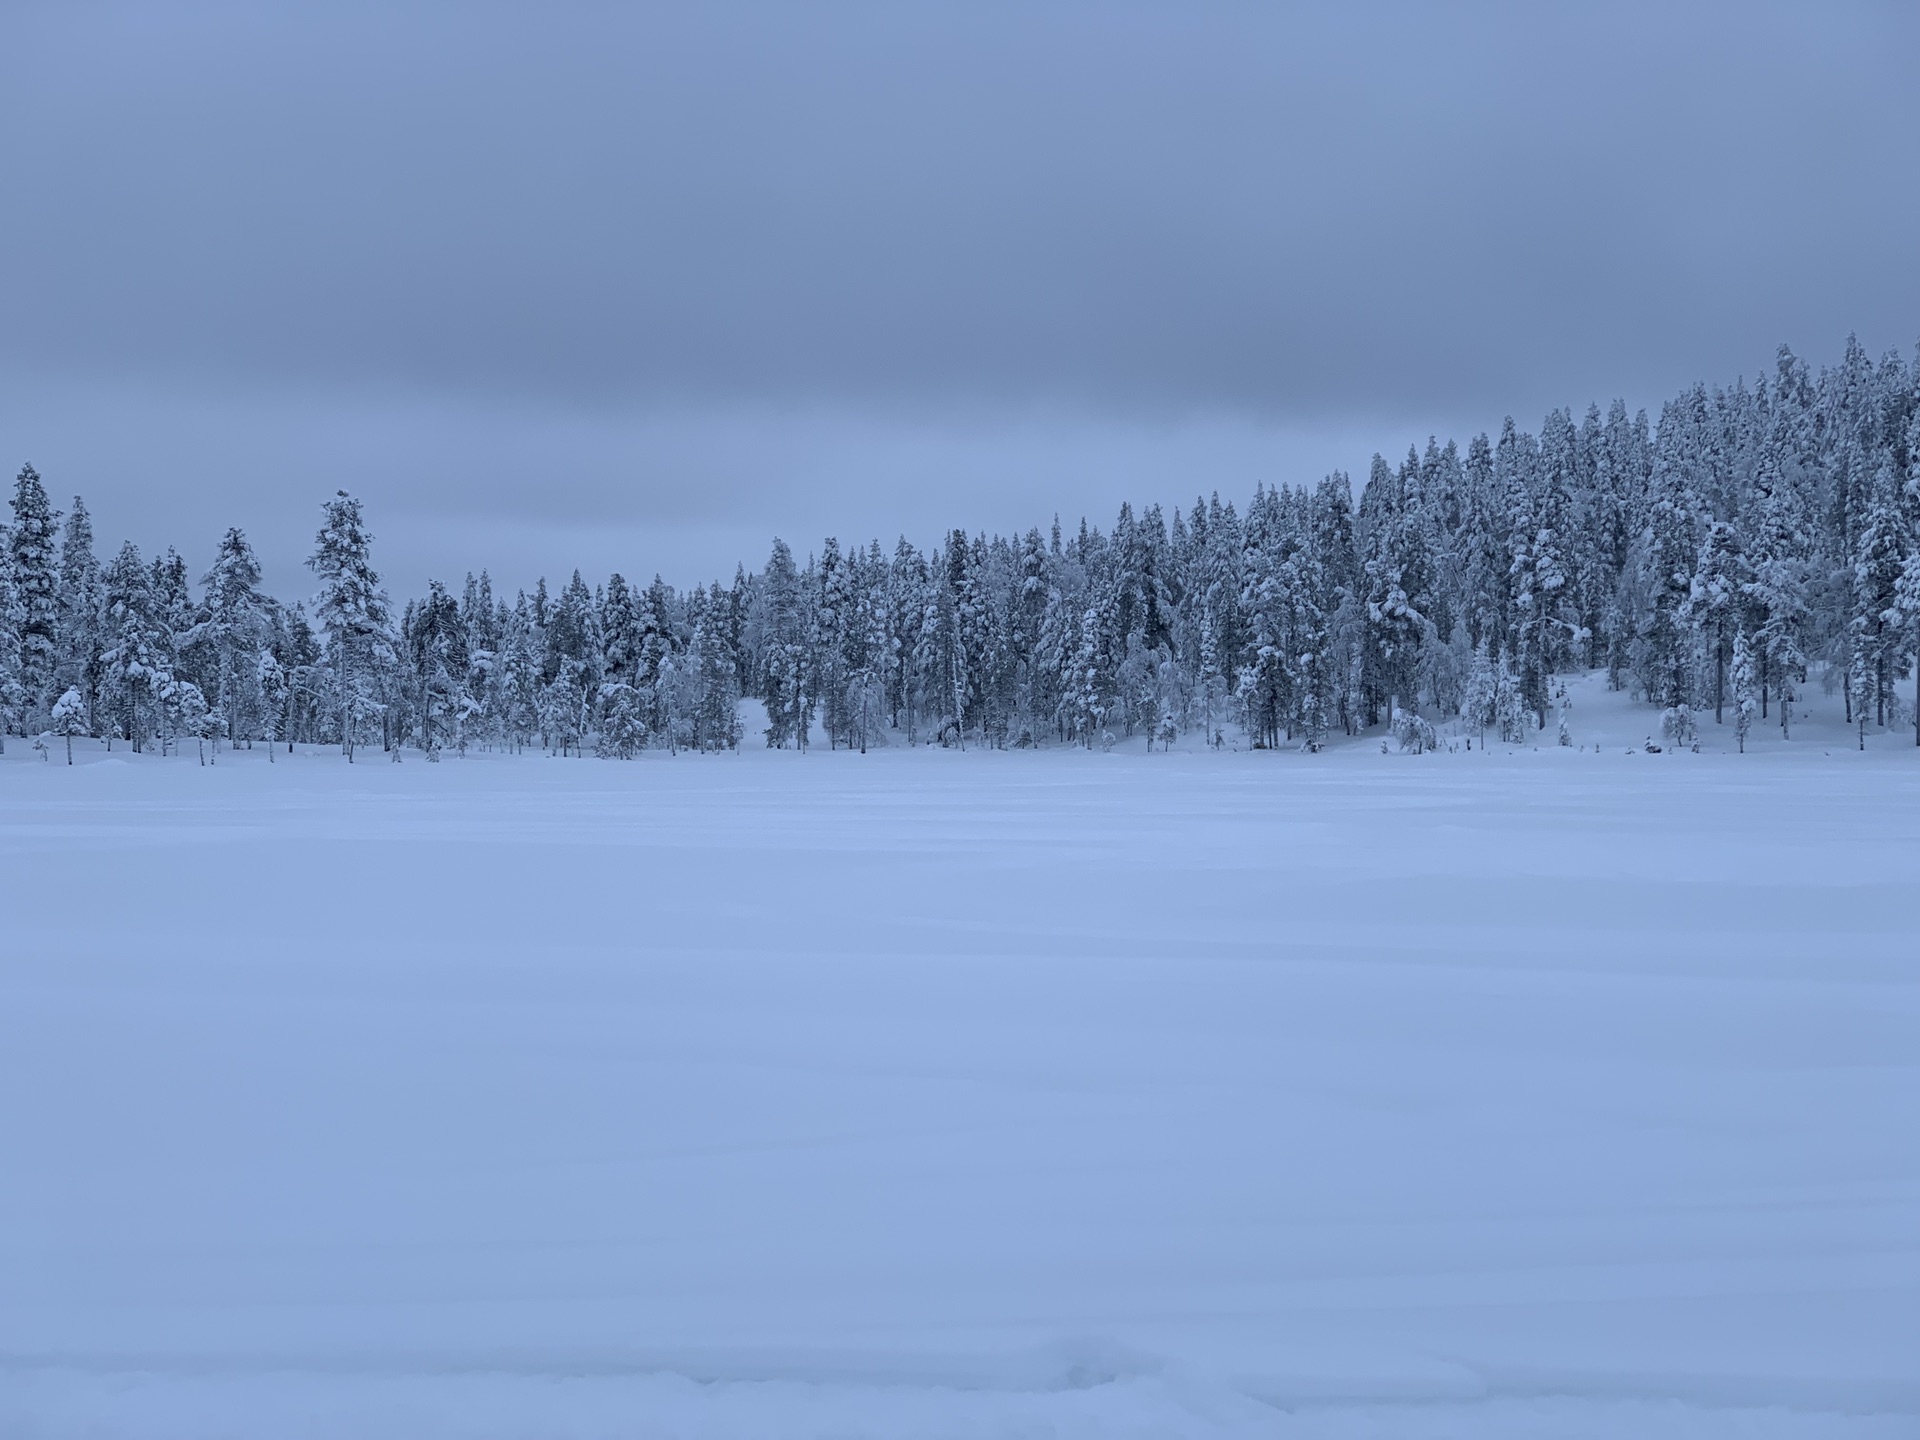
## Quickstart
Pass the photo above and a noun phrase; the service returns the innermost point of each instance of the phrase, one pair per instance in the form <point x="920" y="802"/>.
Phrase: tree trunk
<point x="1719" y="677"/>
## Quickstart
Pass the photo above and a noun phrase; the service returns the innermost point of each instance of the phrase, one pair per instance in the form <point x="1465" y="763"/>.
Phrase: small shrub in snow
<point x="1415" y="735"/>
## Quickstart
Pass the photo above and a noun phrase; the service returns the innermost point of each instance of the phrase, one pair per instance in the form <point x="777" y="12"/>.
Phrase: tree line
<point x="1713" y="561"/>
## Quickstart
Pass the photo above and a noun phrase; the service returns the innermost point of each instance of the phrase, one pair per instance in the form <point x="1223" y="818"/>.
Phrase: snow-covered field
<point x="1547" y="1094"/>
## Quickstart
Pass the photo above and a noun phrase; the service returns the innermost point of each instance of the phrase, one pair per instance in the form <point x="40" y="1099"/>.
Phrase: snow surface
<point x="1556" y="1093"/>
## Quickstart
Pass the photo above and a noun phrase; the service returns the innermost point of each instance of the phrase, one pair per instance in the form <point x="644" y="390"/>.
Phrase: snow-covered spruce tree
<point x="1745" y="703"/>
<point x="1512" y="713"/>
<point x="134" y="668"/>
<point x="35" y="592"/>
<point x="619" y="632"/>
<point x="436" y="645"/>
<point x="481" y="623"/>
<point x="1265" y="689"/>
<point x="79" y="640"/>
<point x="573" y="638"/>
<point x="13" y="695"/>
<point x="1479" y="550"/>
<point x="655" y="633"/>
<point x="1904" y="614"/>
<point x="276" y="694"/>
<point x="1479" y="702"/>
<point x="866" y="649"/>
<point x="1336" y="562"/>
<point x="1669" y="547"/>
<point x="353" y="614"/>
<point x="185" y="711"/>
<point x="1035" y="685"/>
<point x="908" y="584"/>
<point x="234" y="637"/>
<point x="69" y="718"/>
<point x="951" y="686"/>
<point x="177" y="616"/>
<point x="623" y="730"/>
<point x="1540" y="572"/>
<point x="1780" y="559"/>
<point x="1621" y="462"/>
<point x="1212" y="609"/>
<point x="714" y="710"/>
<point x="833" y="605"/>
<point x="564" y="702"/>
<point x="780" y="625"/>
<point x="1083" y="710"/>
<point x="626" y="708"/>
<point x="1878" y="636"/>
<point x="519" y="675"/>
<point x="297" y="651"/>
<point x="1717" y="601"/>
<point x="1399" y="580"/>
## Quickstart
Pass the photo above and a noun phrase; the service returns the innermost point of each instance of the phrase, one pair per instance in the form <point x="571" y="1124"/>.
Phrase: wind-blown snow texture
<point x="1551" y="1093"/>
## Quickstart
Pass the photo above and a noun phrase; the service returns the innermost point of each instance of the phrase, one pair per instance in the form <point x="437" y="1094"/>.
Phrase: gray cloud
<point x="618" y="244"/>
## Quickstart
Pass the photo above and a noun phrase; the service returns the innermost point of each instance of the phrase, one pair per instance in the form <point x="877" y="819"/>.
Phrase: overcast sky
<point x="631" y="288"/>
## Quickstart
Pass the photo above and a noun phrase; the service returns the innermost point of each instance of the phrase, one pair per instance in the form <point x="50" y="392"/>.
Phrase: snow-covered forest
<point x="1751" y="541"/>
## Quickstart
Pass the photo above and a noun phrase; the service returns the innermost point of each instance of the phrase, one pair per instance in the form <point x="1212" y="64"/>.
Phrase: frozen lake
<point x="1553" y="1093"/>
